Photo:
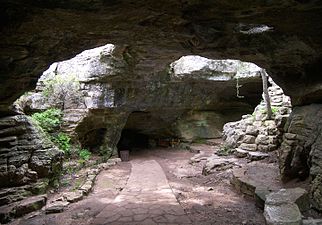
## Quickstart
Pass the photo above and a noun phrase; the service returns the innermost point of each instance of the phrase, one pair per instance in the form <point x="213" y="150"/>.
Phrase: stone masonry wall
<point x="256" y="133"/>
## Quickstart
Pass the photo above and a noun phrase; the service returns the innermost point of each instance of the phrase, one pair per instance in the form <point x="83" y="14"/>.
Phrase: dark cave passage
<point x="132" y="139"/>
<point x="93" y="139"/>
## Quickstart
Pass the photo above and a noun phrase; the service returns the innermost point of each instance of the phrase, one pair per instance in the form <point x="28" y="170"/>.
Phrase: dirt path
<point x="158" y="186"/>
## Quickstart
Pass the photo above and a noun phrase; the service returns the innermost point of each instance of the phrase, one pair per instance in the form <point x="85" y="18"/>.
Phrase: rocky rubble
<point x="256" y="133"/>
<point x="59" y="203"/>
<point x="28" y="204"/>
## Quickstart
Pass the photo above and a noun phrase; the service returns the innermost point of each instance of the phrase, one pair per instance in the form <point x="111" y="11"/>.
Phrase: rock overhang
<point x="37" y="34"/>
<point x="107" y="93"/>
<point x="199" y="68"/>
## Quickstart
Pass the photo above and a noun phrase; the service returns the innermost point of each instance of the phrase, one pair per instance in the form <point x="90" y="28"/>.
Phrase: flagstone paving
<point x="146" y="199"/>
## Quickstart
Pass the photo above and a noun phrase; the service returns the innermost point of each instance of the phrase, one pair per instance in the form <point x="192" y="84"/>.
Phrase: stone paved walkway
<point x="146" y="199"/>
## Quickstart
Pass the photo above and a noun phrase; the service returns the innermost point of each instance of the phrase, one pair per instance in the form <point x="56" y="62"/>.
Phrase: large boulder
<point x="285" y="206"/>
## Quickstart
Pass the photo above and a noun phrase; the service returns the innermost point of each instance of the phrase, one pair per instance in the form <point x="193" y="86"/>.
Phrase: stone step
<point x="256" y="174"/>
<point x="253" y="156"/>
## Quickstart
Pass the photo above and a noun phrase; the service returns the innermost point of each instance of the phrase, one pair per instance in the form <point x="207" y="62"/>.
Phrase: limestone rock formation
<point x="300" y="151"/>
<point x="256" y="133"/>
<point x="100" y="96"/>
<point x="37" y="34"/>
<point x="26" y="154"/>
<point x="27" y="161"/>
<point x="285" y="206"/>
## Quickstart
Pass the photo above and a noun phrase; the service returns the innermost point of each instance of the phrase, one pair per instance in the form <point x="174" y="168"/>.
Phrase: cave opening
<point x="93" y="139"/>
<point x="132" y="139"/>
<point x="146" y="130"/>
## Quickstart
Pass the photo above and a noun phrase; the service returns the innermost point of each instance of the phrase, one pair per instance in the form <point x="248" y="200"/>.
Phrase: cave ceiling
<point x="285" y="37"/>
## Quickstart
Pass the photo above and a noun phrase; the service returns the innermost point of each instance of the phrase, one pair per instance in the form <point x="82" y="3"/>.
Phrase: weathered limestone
<point x="286" y="214"/>
<point x="300" y="152"/>
<point x="56" y="207"/>
<point x="26" y="153"/>
<point x="101" y="95"/>
<point x="217" y="163"/>
<point x="30" y="204"/>
<point x="299" y="196"/>
<point x="312" y="221"/>
<point x="28" y="159"/>
<point x="21" y="208"/>
<point x="285" y="206"/>
<point x="253" y="175"/>
<point x="163" y="33"/>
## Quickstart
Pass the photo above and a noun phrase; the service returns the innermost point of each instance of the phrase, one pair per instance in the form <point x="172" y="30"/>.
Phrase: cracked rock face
<point x="192" y="98"/>
<point x="300" y="152"/>
<point x="26" y="154"/>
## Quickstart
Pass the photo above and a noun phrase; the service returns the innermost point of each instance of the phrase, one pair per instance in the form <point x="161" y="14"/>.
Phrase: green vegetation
<point x="60" y="83"/>
<point x="63" y="142"/>
<point x="274" y="110"/>
<point x="85" y="154"/>
<point x="224" y="150"/>
<point x="49" y="120"/>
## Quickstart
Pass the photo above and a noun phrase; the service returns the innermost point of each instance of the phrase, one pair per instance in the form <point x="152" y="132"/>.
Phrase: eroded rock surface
<point x="101" y="95"/>
<point x="26" y="153"/>
<point x="27" y="161"/>
<point x="300" y="151"/>
<point x="285" y="206"/>
<point x="35" y="35"/>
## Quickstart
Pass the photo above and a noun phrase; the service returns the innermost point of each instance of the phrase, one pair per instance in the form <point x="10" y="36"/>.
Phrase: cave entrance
<point x="146" y="130"/>
<point x="93" y="139"/>
<point x="132" y="139"/>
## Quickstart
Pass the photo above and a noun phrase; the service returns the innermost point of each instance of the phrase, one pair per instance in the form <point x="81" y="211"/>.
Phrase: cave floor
<point x="158" y="186"/>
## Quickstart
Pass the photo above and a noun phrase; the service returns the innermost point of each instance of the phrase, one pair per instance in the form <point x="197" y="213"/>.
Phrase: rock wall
<point x="26" y="156"/>
<point x="190" y="99"/>
<point x="256" y="133"/>
<point x="300" y="153"/>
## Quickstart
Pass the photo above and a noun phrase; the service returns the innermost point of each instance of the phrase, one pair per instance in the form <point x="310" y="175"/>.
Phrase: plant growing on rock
<point x="49" y="120"/>
<point x="85" y="154"/>
<point x="59" y="90"/>
<point x="63" y="142"/>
